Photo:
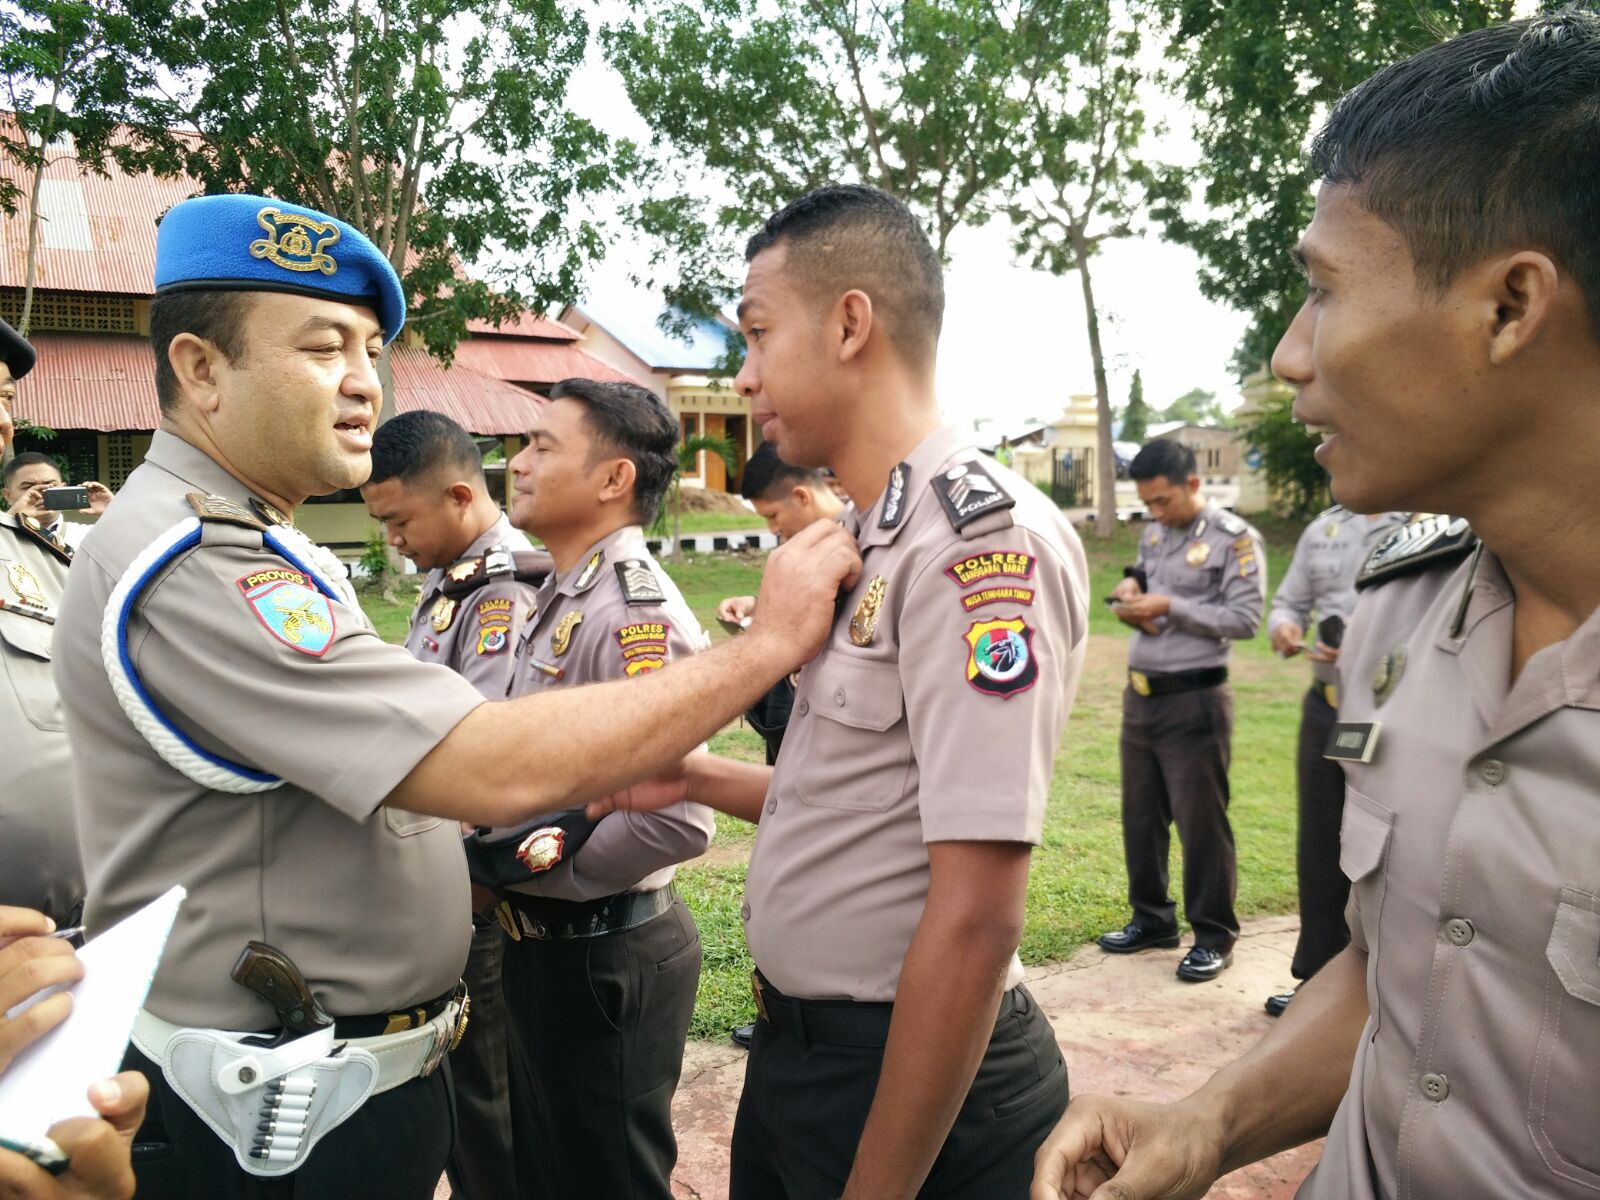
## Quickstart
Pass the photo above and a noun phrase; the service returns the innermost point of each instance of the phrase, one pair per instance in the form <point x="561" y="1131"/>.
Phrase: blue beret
<point x="254" y="243"/>
<point x="15" y="351"/>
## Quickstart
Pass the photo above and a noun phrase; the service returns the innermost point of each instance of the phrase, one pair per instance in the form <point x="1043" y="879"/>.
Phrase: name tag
<point x="1352" y="741"/>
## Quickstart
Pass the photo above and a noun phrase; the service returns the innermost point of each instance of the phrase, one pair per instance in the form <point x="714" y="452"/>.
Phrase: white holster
<point x="273" y="1104"/>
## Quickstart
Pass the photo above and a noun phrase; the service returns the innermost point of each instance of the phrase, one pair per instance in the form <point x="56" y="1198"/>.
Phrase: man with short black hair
<point x="26" y="479"/>
<point x="1448" y="351"/>
<point x="604" y="960"/>
<point x="898" y="1054"/>
<point x="428" y="490"/>
<point x="1197" y="585"/>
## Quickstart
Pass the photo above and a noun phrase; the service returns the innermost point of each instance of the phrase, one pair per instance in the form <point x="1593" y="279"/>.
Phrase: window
<point x="78" y="312"/>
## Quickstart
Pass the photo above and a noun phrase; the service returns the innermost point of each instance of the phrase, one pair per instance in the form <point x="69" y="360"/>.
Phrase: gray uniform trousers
<point x="1175" y="754"/>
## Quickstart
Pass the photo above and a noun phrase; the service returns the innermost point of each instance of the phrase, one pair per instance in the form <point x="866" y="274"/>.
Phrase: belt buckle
<point x="532" y="928"/>
<point x="1330" y="693"/>
<point x="757" y="988"/>
<point x="1140" y="682"/>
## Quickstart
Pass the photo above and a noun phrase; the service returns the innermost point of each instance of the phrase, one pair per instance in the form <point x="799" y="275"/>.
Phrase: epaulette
<point x="1333" y="510"/>
<point x="44" y="537"/>
<point x="1427" y="540"/>
<point x="968" y="492"/>
<point x="1230" y="523"/>
<point x="523" y="566"/>
<point x="639" y="582"/>
<point x="227" y="512"/>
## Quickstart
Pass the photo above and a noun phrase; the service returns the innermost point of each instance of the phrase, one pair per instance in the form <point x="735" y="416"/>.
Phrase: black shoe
<point x="1133" y="937"/>
<point x="1276" y="1004"/>
<point x="743" y="1035"/>
<point x="1202" y="964"/>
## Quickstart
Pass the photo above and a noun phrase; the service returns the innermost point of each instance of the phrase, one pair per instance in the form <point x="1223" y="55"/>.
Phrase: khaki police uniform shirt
<point x="39" y="865"/>
<point x="1321" y="577"/>
<point x="371" y="902"/>
<point x="1472" y="838"/>
<point x="1214" y="570"/>
<point x="588" y="631"/>
<point x="476" y="636"/>
<point x="931" y="715"/>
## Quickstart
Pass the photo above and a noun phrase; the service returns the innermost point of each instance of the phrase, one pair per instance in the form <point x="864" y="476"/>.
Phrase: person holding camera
<point x="1321" y="580"/>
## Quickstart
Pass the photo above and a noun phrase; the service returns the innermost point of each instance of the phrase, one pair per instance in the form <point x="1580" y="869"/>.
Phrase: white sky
<point x="1015" y="346"/>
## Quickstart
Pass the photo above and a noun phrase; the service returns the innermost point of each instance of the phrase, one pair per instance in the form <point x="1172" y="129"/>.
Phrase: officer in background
<point x="39" y="865"/>
<point x="16" y="360"/>
<point x="898" y="1052"/>
<point x="428" y="490"/>
<point x="1321" y="579"/>
<point x="604" y="958"/>
<point x="1199" y="584"/>
<point x="257" y="742"/>
<point x="1448" y="351"/>
<point x="28" y="476"/>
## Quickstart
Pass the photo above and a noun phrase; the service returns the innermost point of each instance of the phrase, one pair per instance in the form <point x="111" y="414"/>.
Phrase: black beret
<point x="15" y="351"/>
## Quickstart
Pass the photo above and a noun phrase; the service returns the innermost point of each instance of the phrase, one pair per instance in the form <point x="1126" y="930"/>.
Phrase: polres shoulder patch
<point x="218" y="508"/>
<point x="1425" y="541"/>
<point x="967" y="492"/>
<point x="639" y="582"/>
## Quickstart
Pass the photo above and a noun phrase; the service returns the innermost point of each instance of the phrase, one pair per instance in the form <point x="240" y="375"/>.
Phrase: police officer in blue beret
<point x="257" y="742"/>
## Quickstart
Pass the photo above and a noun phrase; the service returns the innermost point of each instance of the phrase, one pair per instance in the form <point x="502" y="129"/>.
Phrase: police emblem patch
<point x="1000" y="659"/>
<point x="494" y="625"/>
<point x="561" y="639"/>
<point x="444" y="612"/>
<point x="288" y="604"/>
<point x="295" y="241"/>
<point x="865" y="621"/>
<point x="1197" y="554"/>
<point x="542" y="849"/>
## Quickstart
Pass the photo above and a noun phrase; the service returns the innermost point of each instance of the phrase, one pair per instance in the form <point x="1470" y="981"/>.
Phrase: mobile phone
<point x="66" y="499"/>
<point x="43" y="1153"/>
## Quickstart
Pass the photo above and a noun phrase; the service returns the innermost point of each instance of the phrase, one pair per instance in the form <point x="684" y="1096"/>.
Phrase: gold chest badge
<point x="561" y="639"/>
<point x="865" y="621"/>
<point x="1386" y="676"/>
<point x="1198" y="554"/>
<point x="26" y="586"/>
<point x="444" y="612"/>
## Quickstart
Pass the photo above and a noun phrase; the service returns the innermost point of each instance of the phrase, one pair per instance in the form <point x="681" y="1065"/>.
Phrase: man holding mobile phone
<point x="1321" y="579"/>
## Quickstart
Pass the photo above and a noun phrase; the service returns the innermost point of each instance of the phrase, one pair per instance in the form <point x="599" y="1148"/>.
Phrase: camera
<point x="66" y="499"/>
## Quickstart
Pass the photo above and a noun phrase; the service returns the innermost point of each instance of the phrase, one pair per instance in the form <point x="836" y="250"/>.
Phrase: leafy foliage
<point x="1298" y="483"/>
<point x="1136" y="416"/>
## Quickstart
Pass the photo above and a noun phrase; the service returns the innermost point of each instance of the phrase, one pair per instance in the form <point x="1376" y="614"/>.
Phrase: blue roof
<point x="637" y="329"/>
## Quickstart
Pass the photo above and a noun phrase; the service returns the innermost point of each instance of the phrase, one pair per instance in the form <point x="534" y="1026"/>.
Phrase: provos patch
<point x="988" y="564"/>
<point x="291" y="608"/>
<point x="643" y="645"/>
<point x="494" y="626"/>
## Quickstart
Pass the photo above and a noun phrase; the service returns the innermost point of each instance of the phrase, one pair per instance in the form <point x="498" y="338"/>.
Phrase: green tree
<point x="438" y="128"/>
<point x="1297" y="481"/>
<point x="1083" y="180"/>
<point x="1197" y="406"/>
<point x="689" y="452"/>
<point x="764" y="102"/>
<point x="1136" y="416"/>
<point x="1258" y="75"/>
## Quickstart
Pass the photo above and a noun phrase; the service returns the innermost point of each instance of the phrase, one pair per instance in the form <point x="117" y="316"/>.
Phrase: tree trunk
<point x="675" y="551"/>
<point x="45" y="137"/>
<point x="1105" y="518"/>
<point x="386" y="410"/>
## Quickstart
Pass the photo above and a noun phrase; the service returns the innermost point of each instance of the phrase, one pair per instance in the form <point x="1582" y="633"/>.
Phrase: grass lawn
<point x="715" y="522"/>
<point x="1077" y="887"/>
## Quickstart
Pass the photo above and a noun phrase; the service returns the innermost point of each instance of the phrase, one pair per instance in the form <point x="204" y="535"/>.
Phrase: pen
<point x="42" y="1152"/>
<point x="72" y="932"/>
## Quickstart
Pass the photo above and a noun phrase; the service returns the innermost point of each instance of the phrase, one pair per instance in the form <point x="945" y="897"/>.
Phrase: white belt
<point x="401" y="1057"/>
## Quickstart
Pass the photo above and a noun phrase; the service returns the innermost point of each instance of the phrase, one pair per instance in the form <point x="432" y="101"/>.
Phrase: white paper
<point x="50" y="1080"/>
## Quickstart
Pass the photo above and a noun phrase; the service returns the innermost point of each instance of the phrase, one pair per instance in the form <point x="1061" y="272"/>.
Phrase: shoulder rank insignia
<point x="590" y="572"/>
<point x="561" y="639"/>
<point x="894" y="497"/>
<point x="1000" y="660"/>
<point x="1230" y="523"/>
<point x="639" y="583"/>
<point x="216" y="508"/>
<point x="865" y="622"/>
<point x="1424" y="542"/>
<point x="967" y="492"/>
<point x="268" y="513"/>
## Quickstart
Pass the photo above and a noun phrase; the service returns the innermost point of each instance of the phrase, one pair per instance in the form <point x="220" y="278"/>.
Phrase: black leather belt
<point x="1147" y="684"/>
<point x="544" y="919"/>
<point x="376" y="1024"/>
<point x="860" y="1023"/>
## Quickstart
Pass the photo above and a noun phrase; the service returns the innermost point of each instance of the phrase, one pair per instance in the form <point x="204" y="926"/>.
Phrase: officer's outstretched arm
<point x="1281" y="1094"/>
<point x="507" y="762"/>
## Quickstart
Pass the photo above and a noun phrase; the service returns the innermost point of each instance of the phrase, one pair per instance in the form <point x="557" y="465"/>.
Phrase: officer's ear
<point x="460" y="494"/>
<point x="617" y="482"/>
<point x="1524" y="293"/>
<point x="195" y="362"/>
<point x="853" y="323"/>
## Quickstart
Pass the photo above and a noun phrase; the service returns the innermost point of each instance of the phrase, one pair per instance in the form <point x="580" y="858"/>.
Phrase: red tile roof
<point x="533" y="362"/>
<point x="107" y="383"/>
<point x="528" y="325"/>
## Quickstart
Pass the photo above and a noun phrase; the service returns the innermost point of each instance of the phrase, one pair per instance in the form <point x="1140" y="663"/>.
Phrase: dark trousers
<point x="1175" y="752"/>
<point x="599" y="1024"/>
<point x="482" y="1167"/>
<point x="1323" y="886"/>
<point x="393" y="1147"/>
<point x="805" y="1104"/>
